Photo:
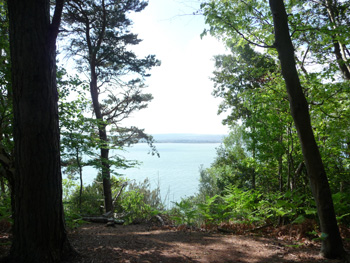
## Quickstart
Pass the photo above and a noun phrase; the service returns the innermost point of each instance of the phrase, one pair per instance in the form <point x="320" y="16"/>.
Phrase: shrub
<point x="139" y="202"/>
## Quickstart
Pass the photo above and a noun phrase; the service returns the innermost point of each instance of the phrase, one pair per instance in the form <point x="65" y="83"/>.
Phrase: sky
<point x="181" y="86"/>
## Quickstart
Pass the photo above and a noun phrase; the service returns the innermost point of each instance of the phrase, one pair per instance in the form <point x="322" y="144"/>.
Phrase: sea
<point x="175" y="171"/>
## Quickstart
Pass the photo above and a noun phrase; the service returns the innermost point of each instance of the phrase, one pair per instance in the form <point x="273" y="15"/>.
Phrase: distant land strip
<point x="188" y="138"/>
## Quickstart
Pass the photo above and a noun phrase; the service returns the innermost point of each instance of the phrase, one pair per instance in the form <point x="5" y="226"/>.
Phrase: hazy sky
<point x="181" y="86"/>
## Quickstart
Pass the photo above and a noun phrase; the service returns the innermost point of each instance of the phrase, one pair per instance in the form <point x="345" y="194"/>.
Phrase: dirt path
<point x="141" y="243"/>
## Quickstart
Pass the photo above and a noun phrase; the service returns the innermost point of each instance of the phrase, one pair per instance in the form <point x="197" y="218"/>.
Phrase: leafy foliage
<point x="249" y="206"/>
<point x="139" y="203"/>
<point x="185" y="212"/>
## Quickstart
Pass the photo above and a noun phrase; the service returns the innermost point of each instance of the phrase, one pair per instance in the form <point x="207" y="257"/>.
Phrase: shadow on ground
<point x="138" y="243"/>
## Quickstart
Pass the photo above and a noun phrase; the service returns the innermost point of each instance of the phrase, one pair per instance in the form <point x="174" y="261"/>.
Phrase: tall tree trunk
<point x="104" y="148"/>
<point x="94" y="91"/>
<point x="280" y="166"/>
<point x="39" y="233"/>
<point x="280" y="172"/>
<point x="291" y="177"/>
<point x="339" y="49"/>
<point x="332" y="246"/>
<point x="280" y="176"/>
<point x="254" y="151"/>
<point x="342" y="63"/>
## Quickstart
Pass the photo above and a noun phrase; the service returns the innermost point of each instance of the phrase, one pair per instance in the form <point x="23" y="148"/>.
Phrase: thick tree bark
<point x="332" y="246"/>
<point x="39" y="232"/>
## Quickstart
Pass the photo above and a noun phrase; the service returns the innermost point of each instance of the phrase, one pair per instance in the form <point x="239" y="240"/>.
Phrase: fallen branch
<point x="122" y="215"/>
<point x="102" y="219"/>
<point x="220" y="229"/>
<point x="259" y="228"/>
<point x="109" y="218"/>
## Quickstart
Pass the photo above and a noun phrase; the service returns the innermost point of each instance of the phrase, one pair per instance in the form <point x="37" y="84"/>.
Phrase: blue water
<point x="176" y="171"/>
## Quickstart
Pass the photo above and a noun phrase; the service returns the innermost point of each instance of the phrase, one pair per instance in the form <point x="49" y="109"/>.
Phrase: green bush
<point x="134" y="207"/>
<point x="139" y="202"/>
<point x="185" y="212"/>
<point x="91" y="202"/>
<point x="75" y="207"/>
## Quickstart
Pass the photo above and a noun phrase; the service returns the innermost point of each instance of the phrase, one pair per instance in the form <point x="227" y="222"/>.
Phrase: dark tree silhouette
<point x="39" y="232"/>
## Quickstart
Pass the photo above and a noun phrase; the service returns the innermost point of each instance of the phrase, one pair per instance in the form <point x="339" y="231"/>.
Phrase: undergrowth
<point x="232" y="207"/>
<point x="137" y="203"/>
<point x="235" y="206"/>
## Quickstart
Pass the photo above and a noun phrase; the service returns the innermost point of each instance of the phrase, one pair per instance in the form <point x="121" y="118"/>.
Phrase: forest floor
<point x="97" y="243"/>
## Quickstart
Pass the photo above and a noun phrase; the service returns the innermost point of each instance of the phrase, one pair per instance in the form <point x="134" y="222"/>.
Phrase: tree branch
<point x="56" y="20"/>
<point x="243" y="36"/>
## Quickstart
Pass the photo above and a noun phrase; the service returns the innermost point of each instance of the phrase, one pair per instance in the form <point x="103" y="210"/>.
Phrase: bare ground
<point x="141" y="243"/>
<point x="97" y="243"/>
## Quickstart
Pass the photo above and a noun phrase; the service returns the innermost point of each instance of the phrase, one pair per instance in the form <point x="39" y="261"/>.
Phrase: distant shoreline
<point x="186" y="142"/>
<point x="188" y="138"/>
